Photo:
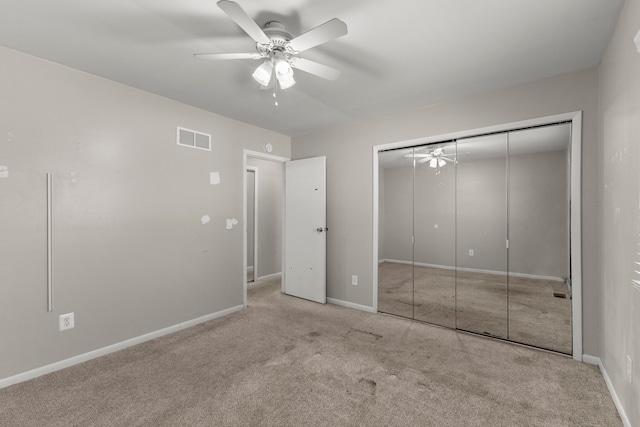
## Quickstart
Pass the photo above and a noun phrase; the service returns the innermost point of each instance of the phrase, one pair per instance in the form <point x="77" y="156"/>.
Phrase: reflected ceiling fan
<point x="436" y="158"/>
<point x="278" y="49"/>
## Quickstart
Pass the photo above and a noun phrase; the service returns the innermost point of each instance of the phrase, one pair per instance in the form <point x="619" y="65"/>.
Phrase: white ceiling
<point x="398" y="55"/>
<point x="526" y="141"/>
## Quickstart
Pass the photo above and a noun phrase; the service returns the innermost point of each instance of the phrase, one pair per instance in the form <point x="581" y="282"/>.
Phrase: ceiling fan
<point x="278" y="49"/>
<point x="436" y="158"/>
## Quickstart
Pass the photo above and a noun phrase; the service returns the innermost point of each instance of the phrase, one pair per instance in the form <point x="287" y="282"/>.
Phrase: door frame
<point x="575" y="118"/>
<point x="263" y="156"/>
<point x="253" y="170"/>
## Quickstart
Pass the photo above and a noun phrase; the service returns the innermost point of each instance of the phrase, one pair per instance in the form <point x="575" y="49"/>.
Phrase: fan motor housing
<point x="278" y="34"/>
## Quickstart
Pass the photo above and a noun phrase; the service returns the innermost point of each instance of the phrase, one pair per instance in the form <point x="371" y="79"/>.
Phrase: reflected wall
<point x="476" y="237"/>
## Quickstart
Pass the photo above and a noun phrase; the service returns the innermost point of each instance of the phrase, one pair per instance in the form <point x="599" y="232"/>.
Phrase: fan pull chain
<point x="275" y="92"/>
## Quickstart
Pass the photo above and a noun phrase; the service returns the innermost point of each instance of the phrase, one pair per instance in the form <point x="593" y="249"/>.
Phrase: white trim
<point x="576" y="225"/>
<point x="348" y="304"/>
<point x="268" y="276"/>
<point x="255" y="221"/>
<point x="264" y="156"/>
<point x="376" y="218"/>
<point x="34" y="373"/>
<point x="592" y="360"/>
<point x="576" y="233"/>
<point x="477" y="270"/>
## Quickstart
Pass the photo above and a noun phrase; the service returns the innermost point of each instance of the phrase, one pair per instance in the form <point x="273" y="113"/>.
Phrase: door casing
<point x="264" y="156"/>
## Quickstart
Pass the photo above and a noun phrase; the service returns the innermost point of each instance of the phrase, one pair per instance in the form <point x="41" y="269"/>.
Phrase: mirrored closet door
<point x="474" y="235"/>
<point x="434" y="251"/>
<point x="481" y="238"/>
<point x="539" y="256"/>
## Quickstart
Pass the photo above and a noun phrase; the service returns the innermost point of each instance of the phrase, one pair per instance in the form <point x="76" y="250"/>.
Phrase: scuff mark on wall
<point x="4" y="171"/>
<point x="214" y="178"/>
<point x="205" y="219"/>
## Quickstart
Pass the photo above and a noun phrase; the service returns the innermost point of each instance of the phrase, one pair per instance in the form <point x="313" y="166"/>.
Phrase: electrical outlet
<point x="629" y="369"/>
<point x="354" y="280"/>
<point x="471" y="252"/>
<point x="67" y="321"/>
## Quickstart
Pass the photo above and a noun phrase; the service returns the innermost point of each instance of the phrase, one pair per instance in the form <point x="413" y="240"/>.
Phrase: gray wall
<point x="537" y="214"/>
<point x="482" y="214"/>
<point x="270" y="214"/>
<point x="396" y="227"/>
<point x="350" y="175"/>
<point x="619" y="187"/>
<point x="131" y="255"/>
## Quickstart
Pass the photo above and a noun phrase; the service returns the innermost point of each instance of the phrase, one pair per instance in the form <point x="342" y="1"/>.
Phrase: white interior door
<point x="305" y="229"/>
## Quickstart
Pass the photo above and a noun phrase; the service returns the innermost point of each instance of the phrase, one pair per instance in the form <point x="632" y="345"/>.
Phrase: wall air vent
<point x="193" y="139"/>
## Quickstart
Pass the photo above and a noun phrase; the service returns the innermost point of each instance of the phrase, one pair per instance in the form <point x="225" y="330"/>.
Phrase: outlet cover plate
<point x="67" y="321"/>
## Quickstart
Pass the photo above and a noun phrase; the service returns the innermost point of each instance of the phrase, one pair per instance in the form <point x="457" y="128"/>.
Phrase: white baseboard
<point x="475" y="270"/>
<point x="350" y="305"/>
<point x="34" y="373"/>
<point x="268" y="276"/>
<point x="592" y="360"/>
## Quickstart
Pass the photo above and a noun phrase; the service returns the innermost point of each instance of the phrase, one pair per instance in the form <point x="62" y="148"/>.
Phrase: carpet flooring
<point x="284" y="361"/>
<point x="523" y="310"/>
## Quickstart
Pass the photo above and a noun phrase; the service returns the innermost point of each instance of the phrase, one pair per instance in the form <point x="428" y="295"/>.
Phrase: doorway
<point x="263" y="215"/>
<point x="473" y="232"/>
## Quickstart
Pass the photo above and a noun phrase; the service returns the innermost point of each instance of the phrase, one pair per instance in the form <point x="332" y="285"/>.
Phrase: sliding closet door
<point x="434" y="213"/>
<point x="481" y="236"/>
<point x="539" y="292"/>
<point x="395" y="234"/>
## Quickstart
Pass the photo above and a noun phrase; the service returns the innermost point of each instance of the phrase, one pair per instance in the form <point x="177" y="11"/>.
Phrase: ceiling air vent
<point x="193" y="139"/>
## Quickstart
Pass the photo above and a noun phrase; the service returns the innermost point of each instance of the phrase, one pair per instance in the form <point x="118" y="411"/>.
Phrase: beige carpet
<point x="528" y="313"/>
<point x="288" y="362"/>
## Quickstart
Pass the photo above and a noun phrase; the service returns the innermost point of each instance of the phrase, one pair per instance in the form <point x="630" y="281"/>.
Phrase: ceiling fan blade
<point x="315" y="68"/>
<point x="418" y="155"/>
<point x="321" y="34"/>
<point x="222" y="56"/>
<point x="244" y="21"/>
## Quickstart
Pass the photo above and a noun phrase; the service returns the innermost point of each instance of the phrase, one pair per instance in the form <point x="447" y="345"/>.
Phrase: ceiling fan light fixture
<point x="284" y="73"/>
<point x="441" y="162"/>
<point x="282" y="67"/>
<point x="286" y="82"/>
<point x="433" y="163"/>
<point x="263" y="73"/>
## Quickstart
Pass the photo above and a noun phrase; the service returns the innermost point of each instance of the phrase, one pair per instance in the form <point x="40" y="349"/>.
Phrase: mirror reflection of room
<point x="474" y="235"/>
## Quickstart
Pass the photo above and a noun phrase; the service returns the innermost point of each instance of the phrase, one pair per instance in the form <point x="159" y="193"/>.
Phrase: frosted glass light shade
<point x="262" y="74"/>
<point x="284" y="73"/>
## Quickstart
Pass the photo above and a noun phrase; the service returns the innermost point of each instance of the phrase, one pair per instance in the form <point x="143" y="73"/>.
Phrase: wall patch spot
<point x="4" y="171"/>
<point x="231" y="222"/>
<point x="205" y="219"/>
<point x="214" y="178"/>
